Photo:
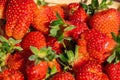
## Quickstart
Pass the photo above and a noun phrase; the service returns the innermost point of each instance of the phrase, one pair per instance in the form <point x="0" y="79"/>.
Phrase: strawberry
<point x="113" y="71"/>
<point x="106" y="21"/>
<point x="3" y="5"/>
<point x="52" y="42"/>
<point x="99" y="45"/>
<point x="11" y="74"/>
<point x="72" y="7"/>
<point x="19" y="16"/>
<point x="56" y="9"/>
<point x="18" y="59"/>
<point x="38" y="66"/>
<point x="33" y="38"/>
<point x="91" y="70"/>
<point x="79" y="15"/>
<point x="41" y="20"/>
<point x="75" y="33"/>
<point x="63" y="76"/>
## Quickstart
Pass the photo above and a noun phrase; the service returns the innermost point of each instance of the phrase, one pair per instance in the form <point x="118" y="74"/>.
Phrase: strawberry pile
<point x="75" y="41"/>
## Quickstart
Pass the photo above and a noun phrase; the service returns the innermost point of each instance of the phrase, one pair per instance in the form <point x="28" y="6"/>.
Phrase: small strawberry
<point x="72" y="7"/>
<point x="79" y="15"/>
<point x="38" y="66"/>
<point x="18" y="59"/>
<point x="106" y="21"/>
<point x="91" y="70"/>
<point x="52" y="42"/>
<point x="63" y="76"/>
<point x="11" y="74"/>
<point x="3" y="5"/>
<point x="113" y="71"/>
<point x="7" y="47"/>
<point x="33" y="38"/>
<point x="99" y="45"/>
<point x="19" y="16"/>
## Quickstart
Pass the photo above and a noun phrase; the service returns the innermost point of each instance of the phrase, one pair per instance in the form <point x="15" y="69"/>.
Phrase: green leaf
<point x="32" y="57"/>
<point x="34" y="50"/>
<point x="114" y="36"/>
<point x="76" y="51"/>
<point x="59" y="17"/>
<point x="112" y="57"/>
<point x="70" y="56"/>
<point x="13" y="41"/>
<point x="18" y="48"/>
<point x="37" y="61"/>
<point x="56" y="23"/>
<point x="3" y="39"/>
<point x="95" y="4"/>
<point x="54" y="31"/>
<point x="63" y="58"/>
<point x="53" y="70"/>
<point x="70" y="28"/>
<point x="41" y="2"/>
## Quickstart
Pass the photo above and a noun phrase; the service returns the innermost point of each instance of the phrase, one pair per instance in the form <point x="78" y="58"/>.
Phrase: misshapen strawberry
<point x="19" y="15"/>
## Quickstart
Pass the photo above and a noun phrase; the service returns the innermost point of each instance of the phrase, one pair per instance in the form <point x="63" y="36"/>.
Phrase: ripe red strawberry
<point x="33" y="38"/>
<point x="3" y="5"/>
<point x="38" y="71"/>
<point x="91" y="70"/>
<point x="19" y="15"/>
<point x="63" y="76"/>
<point x="79" y="28"/>
<point x="72" y="7"/>
<point x="56" y="9"/>
<point x="11" y="74"/>
<point x="52" y="42"/>
<point x="113" y="71"/>
<point x="106" y="21"/>
<point x="41" y="20"/>
<point x="99" y="45"/>
<point x="79" y="15"/>
<point x="18" y="59"/>
<point x="83" y="54"/>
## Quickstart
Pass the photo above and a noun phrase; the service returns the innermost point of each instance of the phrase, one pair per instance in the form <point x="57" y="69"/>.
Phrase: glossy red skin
<point x="33" y="38"/>
<point x="91" y="70"/>
<point x="52" y="42"/>
<point x="19" y="15"/>
<point x="99" y="45"/>
<point x="17" y="61"/>
<point x="106" y="21"/>
<point x="36" y="72"/>
<point x="80" y="28"/>
<point x="113" y="71"/>
<point x="63" y="76"/>
<point x="79" y="15"/>
<point x="11" y="74"/>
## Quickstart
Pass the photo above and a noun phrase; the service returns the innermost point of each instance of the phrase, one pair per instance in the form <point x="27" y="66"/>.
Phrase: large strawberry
<point x="19" y="15"/>
<point x="106" y="21"/>
<point x="91" y="70"/>
<point x="63" y="76"/>
<point x="11" y="74"/>
<point x="33" y="38"/>
<point x="99" y="45"/>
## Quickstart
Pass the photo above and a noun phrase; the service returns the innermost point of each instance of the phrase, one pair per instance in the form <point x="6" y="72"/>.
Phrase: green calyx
<point x="44" y="54"/>
<point x="41" y="2"/>
<point x="115" y="57"/>
<point x="58" y="27"/>
<point x="95" y="6"/>
<point x="68" y="57"/>
<point x="7" y="46"/>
